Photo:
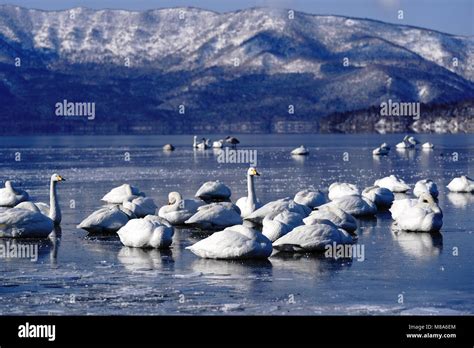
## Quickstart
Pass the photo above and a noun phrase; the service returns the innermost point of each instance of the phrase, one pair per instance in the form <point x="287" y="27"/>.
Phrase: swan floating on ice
<point x="355" y="205"/>
<point x="405" y="143"/>
<point x="340" y="189"/>
<point x="300" y="151"/>
<point x="425" y="186"/>
<point x="427" y="146"/>
<point x="334" y="214"/>
<point x="278" y="206"/>
<point x="421" y="216"/>
<point x="381" y="196"/>
<point x="276" y="226"/>
<point x="122" y="193"/>
<point x="215" y="216"/>
<point x="392" y="183"/>
<point x="310" y="198"/>
<point x="168" y="147"/>
<point x="10" y="196"/>
<point x="106" y="220"/>
<point x="212" y="191"/>
<point x="219" y="144"/>
<point x="249" y="204"/>
<point x="148" y="232"/>
<point x="178" y="209"/>
<point x="25" y="221"/>
<point x="233" y="141"/>
<point x="141" y="206"/>
<point x="235" y="242"/>
<point x="316" y="237"/>
<point x="461" y="184"/>
<point x="381" y="151"/>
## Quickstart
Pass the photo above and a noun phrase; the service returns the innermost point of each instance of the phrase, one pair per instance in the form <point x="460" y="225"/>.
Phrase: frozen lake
<point x="81" y="274"/>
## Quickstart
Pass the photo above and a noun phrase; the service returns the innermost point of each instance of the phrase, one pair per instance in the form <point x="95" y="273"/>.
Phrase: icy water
<point x="416" y="273"/>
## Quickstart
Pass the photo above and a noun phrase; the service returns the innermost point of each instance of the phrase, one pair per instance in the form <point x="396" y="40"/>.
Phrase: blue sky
<point x="451" y="16"/>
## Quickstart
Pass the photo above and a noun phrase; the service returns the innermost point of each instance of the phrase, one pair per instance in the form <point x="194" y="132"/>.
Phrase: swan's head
<point x="253" y="172"/>
<point x="8" y="184"/>
<point x="56" y="177"/>
<point x="427" y="198"/>
<point x="174" y="197"/>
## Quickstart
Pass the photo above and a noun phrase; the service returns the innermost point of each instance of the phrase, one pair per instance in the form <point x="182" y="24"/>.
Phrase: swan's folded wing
<point x="226" y="244"/>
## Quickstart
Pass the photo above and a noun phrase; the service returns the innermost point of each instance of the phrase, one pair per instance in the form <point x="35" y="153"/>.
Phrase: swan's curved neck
<point x="54" y="210"/>
<point x="251" y="197"/>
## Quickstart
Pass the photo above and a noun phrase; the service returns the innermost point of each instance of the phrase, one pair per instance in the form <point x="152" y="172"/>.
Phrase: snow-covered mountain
<point x="247" y="64"/>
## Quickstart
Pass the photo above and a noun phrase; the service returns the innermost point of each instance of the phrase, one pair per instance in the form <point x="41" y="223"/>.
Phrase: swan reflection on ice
<point x="419" y="245"/>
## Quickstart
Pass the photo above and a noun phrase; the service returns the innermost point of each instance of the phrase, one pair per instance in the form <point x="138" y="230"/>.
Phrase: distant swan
<point x="340" y="189"/>
<point x="149" y="232"/>
<point x="232" y="141"/>
<point x="310" y="198"/>
<point x="105" y="220"/>
<point x="25" y="221"/>
<point x="461" y="184"/>
<point x="334" y="214"/>
<point x="316" y="237"/>
<point x="300" y="151"/>
<point x="215" y="216"/>
<point x="122" y="193"/>
<point x="219" y="144"/>
<point x="381" y="196"/>
<point x="382" y="150"/>
<point x="424" y="216"/>
<point x="392" y="183"/>
<point x="178" y="209"/>
<point x="427" y="146"/>
<point x="249" y="204"/>
<point x="10" y="196"/>
<point x="425" y="186"/>
<point x="405" y="143"/>
<point x="141" y="206"/>
<point x="276" y="226"/>
<point x="168" y="147"/>
<point x="212" y="191"/>
<point x="236" y="242"/>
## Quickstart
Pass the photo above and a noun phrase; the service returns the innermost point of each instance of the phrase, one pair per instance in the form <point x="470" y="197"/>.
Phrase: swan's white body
<point x="300" y="151"/>
<point x="236" y="242"/>
<point x="427" y="146"/>
<point x="122" y="193"/>
<point x="381" y="196"/>
<point x="461" y="184"/>
<point x="105" y="219"/>
<point x="25" y="221"/>
<point x="423" y="216"/>
<point x="178" y="209"/>
<point x="380" y="151"/>
<point x="341" y="189"/>
<point x="405" y="143"/>
<point x="401" y="205"/>
<point x="385" y="146"/>
<point x="310" y="198"/>
<point x="316" y="237"/>
<point x="278" y="206"/>
<point x="168" y="147"/>
<point x="215" y="216"/>
<point x="141" y="206"/>
<point x="219" y="144"/>
<point x="249" y="204"/>
<point x="213" y="191"/>
<point x="355" y="205"/>
<point x="149" y="232"/>
<point x="10" y="196"/>
<point x="280" y="224"/>
<point x="425" y="186"/>
<point x="392" y="183"/>
<point x="334" y="214"/>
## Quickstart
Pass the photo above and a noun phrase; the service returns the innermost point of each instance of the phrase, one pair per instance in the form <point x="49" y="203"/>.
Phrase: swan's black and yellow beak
<point x="60" y="178"/>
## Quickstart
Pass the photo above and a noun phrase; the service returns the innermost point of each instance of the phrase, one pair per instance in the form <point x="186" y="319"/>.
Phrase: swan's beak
<point x="60" y="178"/>
<point x="257" y="173"/>
<point x="169" y="203"/>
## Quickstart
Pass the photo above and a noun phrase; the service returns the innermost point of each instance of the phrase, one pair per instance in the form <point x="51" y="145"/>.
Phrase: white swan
<point x="380" y="151"/>
<point x="334" y="214"/>
<point x="25" y="221"/>
<point x="203" y="145"/>
<point x="141" y="206"/>
<point x="300" y="151"/>
<point x="310" y="198"/>
<point x="233" y="141"/>
<point x="413" y="141"/>
<point x="340" y="189"/>
<point x="219" y="144"/>
<point x="355" y="205"/>
<point x="276" y="226"/>
<point x="249" y="204"/>
<point x="316" y="237"/>
<point x="424" y="216"/>
<point x="53" y="211"/>
<point x="213" y="191"/>
<point x="105" y="219"/>
<point x="401" y="205"/>
<point x="427" y="146"/>
<point x="178" y="209"/>
<point x="461" y="184"/>
<point x="215" y="216"/>
<point x="392" y="183"/>
<point x="405" y="143"/>
<point x="122" y="193"/>
<point x="275" y="207"/>
<point x="10" y="196"/>
<point x="385" y="146"/>
<point x="425" y="186"/>
<point x="168" y="147"/>
<point x="236" y="242"/>
<point x="381" y="196"/>
<point x="148" y="232"/>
